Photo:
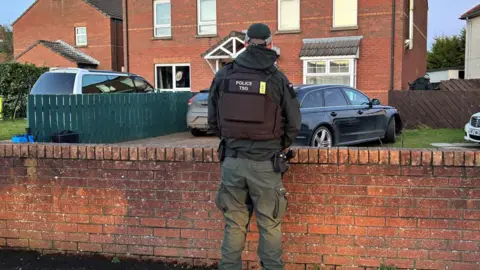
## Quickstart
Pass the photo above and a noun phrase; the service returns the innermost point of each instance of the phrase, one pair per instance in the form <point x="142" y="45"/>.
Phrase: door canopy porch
<point x="225" y="50"/>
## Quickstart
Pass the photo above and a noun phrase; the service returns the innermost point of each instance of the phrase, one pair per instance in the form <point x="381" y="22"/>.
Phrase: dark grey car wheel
<point x="197" y="133"/>
<point x="391" y="134"/>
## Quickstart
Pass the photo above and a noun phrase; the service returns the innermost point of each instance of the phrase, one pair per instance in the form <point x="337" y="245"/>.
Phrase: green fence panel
<point x="40" y="121"/>
<point x="60" y="120"/>
<point x="92" y="126"/>
<point x="73" y="105"/>
<point x="103" y="118"/>
<point x="80" y="119"/>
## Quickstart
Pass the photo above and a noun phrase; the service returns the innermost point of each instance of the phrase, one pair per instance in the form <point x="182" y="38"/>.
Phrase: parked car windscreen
<point x="54" y="84"/>
<point x="104" y="83"/>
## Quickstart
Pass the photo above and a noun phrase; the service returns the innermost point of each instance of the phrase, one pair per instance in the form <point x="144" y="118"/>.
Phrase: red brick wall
<point x="48" y="58"/>
<point x="415" y="60"/>
<point x="373" y="68"/>
<point x="52" y="20"/>
<point x="347" y="207"/>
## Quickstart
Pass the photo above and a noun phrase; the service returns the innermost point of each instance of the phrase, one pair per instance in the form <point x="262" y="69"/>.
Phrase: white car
<point x="472" y="129"/>
<point x="76" y="81"/>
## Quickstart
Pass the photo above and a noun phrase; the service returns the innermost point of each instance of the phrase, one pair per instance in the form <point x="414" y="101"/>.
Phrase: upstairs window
<point x="162" y="18"/>
<point x="345" y="13"/>
<point x="207" y="17"/>
<point x="81" y="36"/>
<point x="288" y="15"/>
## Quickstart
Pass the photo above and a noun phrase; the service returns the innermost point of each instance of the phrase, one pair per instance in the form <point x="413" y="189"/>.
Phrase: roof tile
<point x="338" y="46"/>
<point x="112" y="8"/>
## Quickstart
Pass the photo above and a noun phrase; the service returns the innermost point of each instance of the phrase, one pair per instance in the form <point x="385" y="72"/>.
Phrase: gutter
<point x="392" y="67"/>
<point x="127" y="54"/>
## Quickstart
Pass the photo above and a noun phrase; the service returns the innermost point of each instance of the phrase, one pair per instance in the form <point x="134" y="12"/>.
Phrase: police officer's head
<point x="258" y="34"/>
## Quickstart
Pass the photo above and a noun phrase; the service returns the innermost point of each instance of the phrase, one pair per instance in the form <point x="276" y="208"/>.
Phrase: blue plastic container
<point x="22" y="138"/>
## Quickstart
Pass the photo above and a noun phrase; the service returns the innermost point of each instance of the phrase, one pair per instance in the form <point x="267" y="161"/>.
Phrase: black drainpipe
<point x="392" y="67"/>
<point x="127" y="57"/>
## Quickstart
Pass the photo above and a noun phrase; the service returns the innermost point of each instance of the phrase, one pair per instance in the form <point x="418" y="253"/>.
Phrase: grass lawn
<point x="422" y="138"/>
<point x="8" y="128"/>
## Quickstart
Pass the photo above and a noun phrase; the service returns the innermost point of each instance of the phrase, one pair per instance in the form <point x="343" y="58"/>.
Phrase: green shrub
<point x="16" y="80"/>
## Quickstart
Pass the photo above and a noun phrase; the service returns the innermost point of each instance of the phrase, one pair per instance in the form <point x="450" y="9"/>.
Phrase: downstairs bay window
<point x="320" y="70"/>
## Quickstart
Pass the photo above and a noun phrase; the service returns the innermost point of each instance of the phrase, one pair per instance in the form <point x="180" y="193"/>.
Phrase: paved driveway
<point x="178" y="140"/>
<point x="182" y="140"/>
<point x="458" y="146"/>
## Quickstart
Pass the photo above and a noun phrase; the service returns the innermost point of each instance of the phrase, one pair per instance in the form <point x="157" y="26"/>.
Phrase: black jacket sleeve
<point x="212" y="107"/>
<point x="291" y="113"/>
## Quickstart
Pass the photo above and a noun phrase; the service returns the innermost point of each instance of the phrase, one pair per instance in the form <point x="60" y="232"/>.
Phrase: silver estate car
<point x="198" y="113"/>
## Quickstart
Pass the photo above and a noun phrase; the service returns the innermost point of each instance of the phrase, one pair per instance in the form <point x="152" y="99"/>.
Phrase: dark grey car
<point x="337" y="115"/>
<point x="198" y="113"/>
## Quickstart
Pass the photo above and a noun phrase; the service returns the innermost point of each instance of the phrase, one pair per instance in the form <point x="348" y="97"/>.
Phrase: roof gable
<point x="64" y="49"/>
<point x="110" y="8"/>
<point x="472" y="13"/>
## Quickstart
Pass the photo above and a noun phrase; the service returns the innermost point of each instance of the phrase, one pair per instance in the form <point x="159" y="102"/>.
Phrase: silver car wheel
<point x="322" y="138"/>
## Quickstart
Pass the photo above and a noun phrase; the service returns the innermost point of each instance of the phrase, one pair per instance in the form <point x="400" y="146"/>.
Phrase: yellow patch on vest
<point x="263" y="87"/>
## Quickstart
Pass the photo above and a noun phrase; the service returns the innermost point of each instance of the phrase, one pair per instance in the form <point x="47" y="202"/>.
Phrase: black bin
<point x="65" y="136"/>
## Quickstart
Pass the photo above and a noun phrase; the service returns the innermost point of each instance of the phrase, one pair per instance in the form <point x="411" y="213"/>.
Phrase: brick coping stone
<point x="305" y="155"/>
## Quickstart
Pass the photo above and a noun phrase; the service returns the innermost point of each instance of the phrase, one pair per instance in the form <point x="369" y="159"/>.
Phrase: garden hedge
<point x="16" y="80"/>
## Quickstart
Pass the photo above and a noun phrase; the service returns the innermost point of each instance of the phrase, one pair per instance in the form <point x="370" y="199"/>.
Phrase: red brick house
<point x="331" y="41"/>
<point x="72" y="33"/>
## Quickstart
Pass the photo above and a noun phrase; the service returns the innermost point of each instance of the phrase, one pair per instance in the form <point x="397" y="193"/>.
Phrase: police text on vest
<point x="243" y="85"/>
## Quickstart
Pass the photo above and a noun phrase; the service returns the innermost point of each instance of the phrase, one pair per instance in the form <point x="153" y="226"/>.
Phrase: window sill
<point x="81" y="46"/>
<point x="288" y="32"/>
<point x="347" y="28"/>
<point x="207" y="36"/>
<point x="162" y="38"/>
<point x="174" y="90"/>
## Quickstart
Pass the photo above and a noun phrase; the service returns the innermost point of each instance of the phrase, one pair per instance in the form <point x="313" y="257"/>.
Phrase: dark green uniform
<point x="249" y="183"/>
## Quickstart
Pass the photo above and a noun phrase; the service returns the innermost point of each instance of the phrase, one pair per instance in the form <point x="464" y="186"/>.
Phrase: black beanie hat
<point x="259" y="31"/>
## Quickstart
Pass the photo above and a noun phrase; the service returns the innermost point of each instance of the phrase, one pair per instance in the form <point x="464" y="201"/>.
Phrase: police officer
<point x="254" y="110"/>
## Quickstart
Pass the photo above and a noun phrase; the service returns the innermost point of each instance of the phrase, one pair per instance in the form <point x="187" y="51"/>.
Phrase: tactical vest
<point x="246" y="109"/>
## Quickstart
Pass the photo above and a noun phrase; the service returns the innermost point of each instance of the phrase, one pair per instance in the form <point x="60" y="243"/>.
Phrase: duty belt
<point x="229" y="152"/>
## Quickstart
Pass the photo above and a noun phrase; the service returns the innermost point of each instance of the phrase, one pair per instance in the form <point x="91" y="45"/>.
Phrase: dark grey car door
<point x="312" y="109"/>
<point x="371" y="118"/>
<point x="342" y="116"/>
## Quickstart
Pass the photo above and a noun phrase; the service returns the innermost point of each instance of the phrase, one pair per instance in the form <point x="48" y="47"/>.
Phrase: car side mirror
<point x="375" y="102"/>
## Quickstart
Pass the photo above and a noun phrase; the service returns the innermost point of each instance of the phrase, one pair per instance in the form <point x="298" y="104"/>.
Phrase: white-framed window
<point x="345" y="13"/>
<point x="333" y="70"/>
<point x="288" y="15"/>
<point x="162" y="18"/>
<point x="172" y="77"/>
<point x="207" y="17"/>
<point x="81" y="36"/>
